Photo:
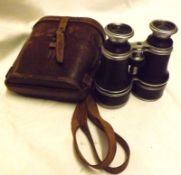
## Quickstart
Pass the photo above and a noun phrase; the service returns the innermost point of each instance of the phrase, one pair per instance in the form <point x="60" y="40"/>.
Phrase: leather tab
<point x="60" y="43"/>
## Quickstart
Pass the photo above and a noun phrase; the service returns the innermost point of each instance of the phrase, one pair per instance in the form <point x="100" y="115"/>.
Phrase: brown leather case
<point x="59" y="59"/>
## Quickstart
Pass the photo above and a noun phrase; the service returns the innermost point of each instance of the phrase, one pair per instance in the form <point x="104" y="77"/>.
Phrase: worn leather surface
<point x="58" y="60"/>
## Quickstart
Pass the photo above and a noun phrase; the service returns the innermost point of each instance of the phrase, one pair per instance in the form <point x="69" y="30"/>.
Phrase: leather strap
<point x="88" y="109"/>
<point x="60" y="39"/>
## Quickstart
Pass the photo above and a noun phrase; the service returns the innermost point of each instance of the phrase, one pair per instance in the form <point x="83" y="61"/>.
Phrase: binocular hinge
<point x="145" y="47"/>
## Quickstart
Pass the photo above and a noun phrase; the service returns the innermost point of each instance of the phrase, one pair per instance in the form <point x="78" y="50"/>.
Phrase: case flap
<point x="37" y="63"/>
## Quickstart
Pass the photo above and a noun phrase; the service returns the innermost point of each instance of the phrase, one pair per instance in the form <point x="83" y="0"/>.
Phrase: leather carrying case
<point x="59" y="59"/>
<point x="58" y="62"/>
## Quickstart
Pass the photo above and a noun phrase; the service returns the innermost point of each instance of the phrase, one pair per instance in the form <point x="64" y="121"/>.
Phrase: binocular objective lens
<point x="163" y="29"/>
<point x="122" y="29"/>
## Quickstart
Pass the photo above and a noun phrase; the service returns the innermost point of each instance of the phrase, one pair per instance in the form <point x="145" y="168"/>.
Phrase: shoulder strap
<point x="88" y="109"/>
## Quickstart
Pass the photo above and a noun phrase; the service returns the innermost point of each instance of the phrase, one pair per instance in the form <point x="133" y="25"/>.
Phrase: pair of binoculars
<point x="140" y="67"/>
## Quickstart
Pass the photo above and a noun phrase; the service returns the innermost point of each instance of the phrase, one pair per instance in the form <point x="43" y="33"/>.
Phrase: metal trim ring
<point x="114" y="94"/>
<point x="109" y="91"/>
<point x="159" y="51"/>
<point x="115" y="56"/>
<point x="163" y="33"/>
<point x="151" y="85"/>
<point x="149" y="88"/>
<point x="115" y="37"/>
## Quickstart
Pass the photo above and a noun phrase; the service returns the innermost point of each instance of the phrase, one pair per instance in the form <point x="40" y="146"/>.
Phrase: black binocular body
<point x="140" y="67"/>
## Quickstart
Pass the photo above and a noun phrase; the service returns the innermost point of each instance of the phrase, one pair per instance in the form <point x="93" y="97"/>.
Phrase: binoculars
<point x="139" y="67"/>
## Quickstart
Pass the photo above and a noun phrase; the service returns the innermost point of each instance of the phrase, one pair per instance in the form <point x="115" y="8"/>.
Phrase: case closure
<point x="59" y="44"/>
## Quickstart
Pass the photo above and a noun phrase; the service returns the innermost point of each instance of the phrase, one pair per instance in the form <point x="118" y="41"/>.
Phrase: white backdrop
<point x="35" y="135"/>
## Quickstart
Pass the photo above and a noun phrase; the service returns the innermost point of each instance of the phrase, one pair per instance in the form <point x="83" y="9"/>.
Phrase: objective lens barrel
<point x="112" y="81"/>
<point x="152" y="78"/>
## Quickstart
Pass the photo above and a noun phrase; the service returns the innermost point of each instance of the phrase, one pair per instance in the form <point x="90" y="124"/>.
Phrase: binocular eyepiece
<point x="140" y="67"/>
